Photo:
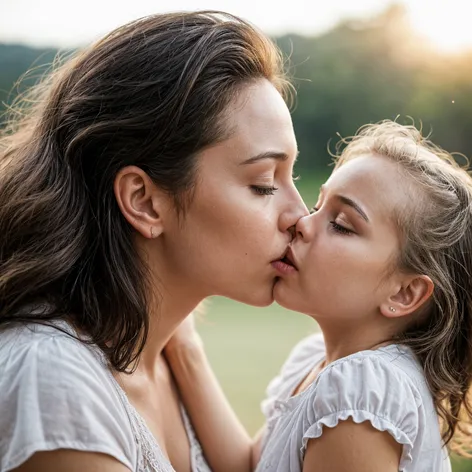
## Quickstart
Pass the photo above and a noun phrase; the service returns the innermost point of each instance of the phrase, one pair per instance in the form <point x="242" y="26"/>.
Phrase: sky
<point x="61" y="23"/>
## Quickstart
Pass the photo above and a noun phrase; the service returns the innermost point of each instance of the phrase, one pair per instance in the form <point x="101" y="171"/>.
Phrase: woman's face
<point x="343" y="251"/>
<point x="244" y="205"/>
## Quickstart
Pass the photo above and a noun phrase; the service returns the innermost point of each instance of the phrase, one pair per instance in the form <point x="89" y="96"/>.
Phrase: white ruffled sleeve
<point x="297" y="365"/>
<point x="366" y="388"/>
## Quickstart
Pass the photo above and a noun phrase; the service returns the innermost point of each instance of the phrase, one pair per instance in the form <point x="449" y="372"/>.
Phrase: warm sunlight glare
<point x="446" y="23"/>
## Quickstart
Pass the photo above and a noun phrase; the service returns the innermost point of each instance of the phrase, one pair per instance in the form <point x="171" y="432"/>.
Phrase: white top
<point x="386" y="387"/>
<point x="56" y="392"/>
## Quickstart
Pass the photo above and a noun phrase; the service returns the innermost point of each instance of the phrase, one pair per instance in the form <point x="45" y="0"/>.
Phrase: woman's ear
<point x="140" y="201"/>
<point x="413" y="293"/>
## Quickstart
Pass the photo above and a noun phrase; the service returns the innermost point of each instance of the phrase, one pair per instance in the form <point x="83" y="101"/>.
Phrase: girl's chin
<point x="285" y="297"/>
<point x="290" y="299"/>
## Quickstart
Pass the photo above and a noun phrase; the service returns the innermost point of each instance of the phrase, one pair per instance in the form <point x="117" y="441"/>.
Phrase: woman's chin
<point x="258" y="298"/>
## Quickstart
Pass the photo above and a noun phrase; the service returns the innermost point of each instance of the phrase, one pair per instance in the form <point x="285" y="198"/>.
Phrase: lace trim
<point x="151" y="457"/>
<point x="198" y="461"/>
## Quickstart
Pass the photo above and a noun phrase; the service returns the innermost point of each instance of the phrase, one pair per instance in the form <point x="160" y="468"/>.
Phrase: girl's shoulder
<point x="385" y="387"/>
<point x="387" y="382"/>
<point x="377" y="368"/>
<point x="302" y="358"/>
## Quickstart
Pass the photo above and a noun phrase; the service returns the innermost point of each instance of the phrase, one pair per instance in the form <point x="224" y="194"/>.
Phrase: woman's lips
<point x="286" y="264"/>
<point x="283" y="268"/>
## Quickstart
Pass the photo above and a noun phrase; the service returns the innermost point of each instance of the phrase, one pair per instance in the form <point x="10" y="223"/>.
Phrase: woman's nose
<point x="292" y="231"/>
<point x="304" y="227"/>
<point x="296" y="209"/>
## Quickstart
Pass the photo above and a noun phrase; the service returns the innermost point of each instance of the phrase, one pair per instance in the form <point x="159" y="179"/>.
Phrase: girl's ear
<point x="413" y="293"/>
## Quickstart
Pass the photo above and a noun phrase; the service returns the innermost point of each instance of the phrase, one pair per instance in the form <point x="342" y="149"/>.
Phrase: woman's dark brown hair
<point x="152" y="93"/>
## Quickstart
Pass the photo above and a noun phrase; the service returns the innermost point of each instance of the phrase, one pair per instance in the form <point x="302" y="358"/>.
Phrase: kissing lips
<point x="289" y="259"/>
<point x="285" y="265"/>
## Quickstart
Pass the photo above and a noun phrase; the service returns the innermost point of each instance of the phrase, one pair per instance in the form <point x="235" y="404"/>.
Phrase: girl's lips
<point x="290" y="258"/>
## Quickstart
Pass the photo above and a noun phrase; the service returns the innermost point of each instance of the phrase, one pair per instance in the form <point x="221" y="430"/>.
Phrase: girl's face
<point x="243" y="208"/>
<point x="345" y="250"/>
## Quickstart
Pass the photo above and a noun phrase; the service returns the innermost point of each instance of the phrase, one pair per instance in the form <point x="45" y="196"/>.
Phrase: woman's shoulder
<point x="22" y="333"/>
<point x="51" y="348"/>
<point x="57" y="393"/>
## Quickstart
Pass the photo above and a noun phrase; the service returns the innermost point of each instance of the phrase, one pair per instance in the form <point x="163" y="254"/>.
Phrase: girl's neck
<point x="349" y="338"/>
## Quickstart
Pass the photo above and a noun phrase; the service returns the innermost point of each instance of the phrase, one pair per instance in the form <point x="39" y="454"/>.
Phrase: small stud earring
<point x="392" y="309"/>
<point x="152" y="233"/>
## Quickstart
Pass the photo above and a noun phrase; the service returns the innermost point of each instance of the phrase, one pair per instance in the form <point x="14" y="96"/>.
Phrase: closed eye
<point x="261" y="190"/>
<point x="340" y="229"/>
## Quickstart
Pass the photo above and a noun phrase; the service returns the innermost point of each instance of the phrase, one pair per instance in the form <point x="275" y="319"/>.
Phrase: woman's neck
<point x="173" y="297"/>
<point x="166" y="314"/>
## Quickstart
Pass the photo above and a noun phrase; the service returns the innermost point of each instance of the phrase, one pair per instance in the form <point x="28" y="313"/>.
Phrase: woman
<point x="154" y="170"/>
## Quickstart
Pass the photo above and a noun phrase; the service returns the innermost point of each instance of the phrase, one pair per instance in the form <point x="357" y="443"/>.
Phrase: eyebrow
<point x="352" y="204"/>
<point x="278" y="156"/>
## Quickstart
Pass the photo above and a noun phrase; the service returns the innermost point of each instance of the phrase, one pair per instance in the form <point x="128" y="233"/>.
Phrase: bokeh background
<point x="352" y="62"/>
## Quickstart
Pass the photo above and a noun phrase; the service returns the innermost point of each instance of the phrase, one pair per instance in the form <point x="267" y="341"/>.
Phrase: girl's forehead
<point x="375" y="182"/>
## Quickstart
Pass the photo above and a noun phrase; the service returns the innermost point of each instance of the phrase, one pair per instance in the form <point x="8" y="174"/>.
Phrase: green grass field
<point x="248" y="345"/>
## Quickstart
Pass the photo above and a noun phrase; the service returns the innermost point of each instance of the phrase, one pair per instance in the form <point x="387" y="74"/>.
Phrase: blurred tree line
<point x="359" y="72"/>
<point x="366" y="71"/>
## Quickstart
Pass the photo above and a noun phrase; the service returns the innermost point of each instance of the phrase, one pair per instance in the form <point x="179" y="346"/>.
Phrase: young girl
<point x="384" y="265"/>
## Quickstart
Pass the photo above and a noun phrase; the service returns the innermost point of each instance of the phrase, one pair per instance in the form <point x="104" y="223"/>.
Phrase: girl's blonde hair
<point x="436" y="234"/>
